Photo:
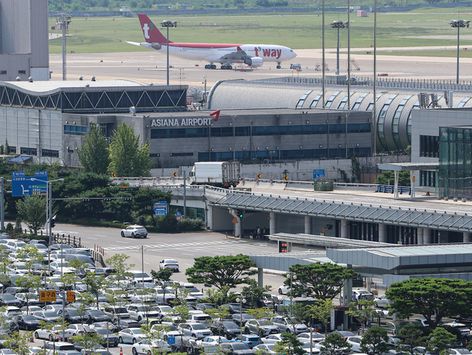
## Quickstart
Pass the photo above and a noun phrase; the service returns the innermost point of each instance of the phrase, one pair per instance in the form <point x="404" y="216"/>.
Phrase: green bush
<point x="189" y="224"/>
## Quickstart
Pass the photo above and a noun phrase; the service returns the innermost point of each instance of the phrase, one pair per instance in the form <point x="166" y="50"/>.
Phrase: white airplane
<point x="253" y="55"/>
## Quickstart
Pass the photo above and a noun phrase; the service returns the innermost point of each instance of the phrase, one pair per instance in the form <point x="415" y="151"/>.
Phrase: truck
<point x="216" y="173"/>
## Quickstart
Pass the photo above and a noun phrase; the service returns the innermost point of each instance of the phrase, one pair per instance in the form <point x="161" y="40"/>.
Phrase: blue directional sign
<point x="171" y="340"/>
<point x="23" y="185"/>
<point x="318" y="174"/>
<point x="160" y="208"/>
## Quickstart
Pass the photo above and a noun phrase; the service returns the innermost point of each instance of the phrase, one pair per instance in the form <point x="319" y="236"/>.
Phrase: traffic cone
<point x="121" y="350"/>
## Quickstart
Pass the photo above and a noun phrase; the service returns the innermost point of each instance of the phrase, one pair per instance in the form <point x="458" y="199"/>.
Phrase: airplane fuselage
<point x="214" y="52"/>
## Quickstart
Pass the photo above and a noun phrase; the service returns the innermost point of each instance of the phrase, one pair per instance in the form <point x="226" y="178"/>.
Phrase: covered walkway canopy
<point x="397" y="167"/>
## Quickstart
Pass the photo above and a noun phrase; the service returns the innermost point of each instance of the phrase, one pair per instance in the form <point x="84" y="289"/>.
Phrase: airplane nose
<point x="294" y="54"/>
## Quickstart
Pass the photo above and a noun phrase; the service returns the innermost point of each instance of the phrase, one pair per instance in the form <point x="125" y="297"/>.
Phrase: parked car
<point x="131" y="335"/>
<point x="227" y="328"/>
<point x="287" y="325"/>
<point x="95" y="315"/>
<point x="171" y="264"/>
<point x="147" y="346"/>
<point x="195" y="330"/>
<point x="262" y="327"/>
<point x="265" y="348"/>
<point x="134" y="231"/>
<point x="236" y="348"/>
<point x="250" y="340"/>
<point x="26" y="322"/>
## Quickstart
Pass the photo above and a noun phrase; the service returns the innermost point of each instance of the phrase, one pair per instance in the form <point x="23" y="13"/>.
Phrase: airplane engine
<point x="254" y="62"/>
<point x="156" y="46"/>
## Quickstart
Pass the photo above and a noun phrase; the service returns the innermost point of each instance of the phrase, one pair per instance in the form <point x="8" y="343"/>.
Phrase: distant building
<point x="24" y="50"/>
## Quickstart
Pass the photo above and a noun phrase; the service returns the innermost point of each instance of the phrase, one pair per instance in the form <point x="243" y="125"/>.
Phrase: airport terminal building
<point x="49" y="120"/>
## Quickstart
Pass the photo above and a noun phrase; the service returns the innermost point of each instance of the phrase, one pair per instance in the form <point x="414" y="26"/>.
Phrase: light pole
<point x="458" y="24"/>
<point x="241" y="300"/>
<point x="338" y="25"/>
<point x="292" y="278"/>
<point x="48" y="214"/>
<point x="168" y="24"/>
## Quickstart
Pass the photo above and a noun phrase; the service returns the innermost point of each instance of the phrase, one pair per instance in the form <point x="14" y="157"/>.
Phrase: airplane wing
<point x="239" y="56"/>
<point x="140" y="44"/>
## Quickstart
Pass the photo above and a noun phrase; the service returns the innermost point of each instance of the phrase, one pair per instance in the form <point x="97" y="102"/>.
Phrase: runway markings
<point x="176" y="245"/>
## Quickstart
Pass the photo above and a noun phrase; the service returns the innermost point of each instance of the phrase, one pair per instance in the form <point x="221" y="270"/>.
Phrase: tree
<point x="254" y="295"/>
<point x="321" y="311"/>
<point x="221" y="271"/>
<point x="439" y="340"/>
<point x="363" y="310"/>
<point x="88" y="340"/>
<point x="95" y="284"/>
<point x="127" y="156"/>
<point x="334" y="344"/>
<point x="93" y="154"/>
<point x="289" y="345"/>
<point x="118" y="263"/>
<point x="32" y="210"/>
<point x="260" y="313"/>
<point x="322" y="281"/>
<point x="19" y="342"/>
<point x="375" y="340"/>
<point x="410" y="336"/>
<point x="28" y="281"/>
<point x="387" y="178"/>
<point x="433" y="298"/>
<point x="162" y="276"/>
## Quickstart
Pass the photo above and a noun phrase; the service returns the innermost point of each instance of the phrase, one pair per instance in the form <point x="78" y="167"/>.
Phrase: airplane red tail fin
<point x="150" y="31"/>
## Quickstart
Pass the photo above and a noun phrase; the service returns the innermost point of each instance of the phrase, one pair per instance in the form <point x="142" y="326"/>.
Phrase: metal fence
<point x="382" y="83"/>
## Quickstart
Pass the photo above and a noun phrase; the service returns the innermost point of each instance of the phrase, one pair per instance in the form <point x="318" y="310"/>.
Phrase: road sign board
<point x="47" y="296"/>
<point x="23" y="185"/>
<point x="70" y="296"/>
<point x="171" y="340"/>
<point x="160" y="208"/>
<point x="318" y="174"/>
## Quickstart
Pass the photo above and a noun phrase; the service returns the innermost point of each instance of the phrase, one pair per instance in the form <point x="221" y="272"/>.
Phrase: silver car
<point x="134" y="231"/>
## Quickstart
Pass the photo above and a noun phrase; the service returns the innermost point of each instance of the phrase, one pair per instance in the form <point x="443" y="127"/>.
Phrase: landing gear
<point x="210" y="66"/>
<point x="279" y="66"/>
<point x="226" y="67"/>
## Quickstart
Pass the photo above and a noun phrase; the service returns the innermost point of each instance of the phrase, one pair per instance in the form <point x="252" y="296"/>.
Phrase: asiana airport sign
<point x="181" y="122"/>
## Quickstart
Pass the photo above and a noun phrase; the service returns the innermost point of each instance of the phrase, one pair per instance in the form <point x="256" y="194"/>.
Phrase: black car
<point x="95" y="315"/>
<point x="73" y="316"/>
<point x="107" y="336"/>
<point x="8" y="299"/>
<point x="238" y="317"/>
<point x="26" y="322"/>
<point x="233" y="308"/>
<point x="227" y="328"/>
<point x="127" y="323"/>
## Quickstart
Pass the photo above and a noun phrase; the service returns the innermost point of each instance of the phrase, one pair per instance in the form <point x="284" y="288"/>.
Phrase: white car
<point x="195" y="330"/>
<point x="169" y="264"/>
<point x="266" y="348"/>
<point x="272" y="338"/>
<point x="355" y="342"/>
<point x="146" y="346"/>
<point x="142" y="311"/>
<point x="131" y="335"/>
<point x="53" y="334"/>
<point x="314" y="336"/>
<point x="134" y="231"/>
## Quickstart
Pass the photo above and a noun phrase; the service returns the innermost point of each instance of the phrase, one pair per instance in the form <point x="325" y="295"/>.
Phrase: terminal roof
<point x="40" y="87"/>
<point x="401" y="257"/>
<point x="408" y="166"/>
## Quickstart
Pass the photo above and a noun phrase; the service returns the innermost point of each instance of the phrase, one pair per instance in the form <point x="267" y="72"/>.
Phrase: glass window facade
<point x="429" y="146"/>
<point x="455" y="162"/>
<point x="260" y="130"/>
<point x="75" y="130"/>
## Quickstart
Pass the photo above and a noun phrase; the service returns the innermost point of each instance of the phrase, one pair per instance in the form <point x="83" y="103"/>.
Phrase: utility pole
<point x="374" y="109"/>
<point x="64" y="46"/>
<point x="2" y="204"/>
<point x="323" y="56"/>
<point x="185" y="193"/>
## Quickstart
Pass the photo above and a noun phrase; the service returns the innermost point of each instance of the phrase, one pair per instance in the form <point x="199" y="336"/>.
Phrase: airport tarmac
<point x="150" y="67"/>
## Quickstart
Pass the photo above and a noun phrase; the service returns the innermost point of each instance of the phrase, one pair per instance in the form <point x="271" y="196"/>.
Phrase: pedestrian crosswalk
<point x="174" y="245"/>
